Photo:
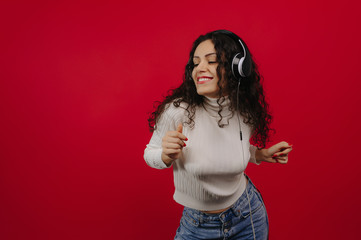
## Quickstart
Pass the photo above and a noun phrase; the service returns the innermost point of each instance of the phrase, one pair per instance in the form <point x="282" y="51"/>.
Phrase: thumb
<point x="180" y="128"/>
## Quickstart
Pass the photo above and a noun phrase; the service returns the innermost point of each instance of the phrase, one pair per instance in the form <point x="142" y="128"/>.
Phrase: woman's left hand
<point x="276" y="153"/>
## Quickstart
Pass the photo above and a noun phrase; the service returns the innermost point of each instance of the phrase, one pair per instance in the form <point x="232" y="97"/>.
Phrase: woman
<point x="203" y="128"/>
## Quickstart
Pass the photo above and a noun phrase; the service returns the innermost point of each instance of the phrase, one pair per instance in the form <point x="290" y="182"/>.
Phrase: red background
<point x="78" y="80"/>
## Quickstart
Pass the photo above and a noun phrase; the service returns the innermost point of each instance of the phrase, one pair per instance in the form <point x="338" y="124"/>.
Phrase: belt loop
<point x="196" y="216"/>
<point x="236" y="211"/>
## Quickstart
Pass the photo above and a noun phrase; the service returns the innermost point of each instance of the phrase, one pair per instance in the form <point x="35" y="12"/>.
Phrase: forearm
<point x="153" y="157"/>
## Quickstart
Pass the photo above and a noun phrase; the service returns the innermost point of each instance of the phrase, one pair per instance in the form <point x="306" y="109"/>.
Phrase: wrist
<point x="167" y="160"/>
<point x="260" y="155"/>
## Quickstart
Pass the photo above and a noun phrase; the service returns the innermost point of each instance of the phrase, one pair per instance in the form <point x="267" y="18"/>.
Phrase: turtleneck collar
<point x="212" y="107"/>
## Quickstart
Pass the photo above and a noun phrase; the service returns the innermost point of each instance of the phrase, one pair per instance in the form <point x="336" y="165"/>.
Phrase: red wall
<point x="77" y="81"/>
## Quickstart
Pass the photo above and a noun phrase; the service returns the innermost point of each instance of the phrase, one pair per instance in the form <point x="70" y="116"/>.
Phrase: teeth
<point x="203" y="79"/>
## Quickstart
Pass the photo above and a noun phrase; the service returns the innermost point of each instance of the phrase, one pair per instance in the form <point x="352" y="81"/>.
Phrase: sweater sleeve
<point x="168" y="121"/>
<point x="252" y="150"/>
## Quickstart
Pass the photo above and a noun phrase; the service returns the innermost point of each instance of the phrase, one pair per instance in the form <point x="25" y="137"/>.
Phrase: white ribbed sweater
<point x="209" y="174"/>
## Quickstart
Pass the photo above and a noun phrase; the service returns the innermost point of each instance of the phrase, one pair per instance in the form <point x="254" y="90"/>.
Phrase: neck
<point x="214" y="105"/>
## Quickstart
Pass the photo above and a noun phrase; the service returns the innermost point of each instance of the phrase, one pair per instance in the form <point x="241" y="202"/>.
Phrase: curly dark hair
<point x="252" y="103"/>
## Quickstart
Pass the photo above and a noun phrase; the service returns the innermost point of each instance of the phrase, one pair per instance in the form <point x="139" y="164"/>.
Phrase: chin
<point x="211" y="94"/>
<point x="202" y="93"/>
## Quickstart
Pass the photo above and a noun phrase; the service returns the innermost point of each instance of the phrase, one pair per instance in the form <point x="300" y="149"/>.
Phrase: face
<point x="204" y="73"/>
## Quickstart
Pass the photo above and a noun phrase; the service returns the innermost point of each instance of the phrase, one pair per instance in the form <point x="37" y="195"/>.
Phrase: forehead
<point x="204" y="48"/>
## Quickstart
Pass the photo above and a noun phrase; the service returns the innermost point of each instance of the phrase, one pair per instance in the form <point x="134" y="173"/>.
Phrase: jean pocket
<point x="255" y="202"/>
<point x="189" y="218"/>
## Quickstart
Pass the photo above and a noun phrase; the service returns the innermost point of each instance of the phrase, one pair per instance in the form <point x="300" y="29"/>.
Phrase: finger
<point x="171" y="151"/>
<point x="172" y="146"/>
<point x="278" y="147"/>
<point x="281" y="158"/>
<point x="176" y="135"/>
<point x="271" y="160"/>
<point x="183" y="137"/>
<point x="283" y="161"/>
<point x="175" y="140"/>
<point x="278" y="155"/>
<point x="283" y="152"/>
<point x="286" y="151"/>
<point x="284" y="145"/>
<point x="180" y="128"/>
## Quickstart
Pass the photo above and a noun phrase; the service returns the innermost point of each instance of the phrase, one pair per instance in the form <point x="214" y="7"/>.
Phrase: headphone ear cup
<point x="247" y="66"/>
<point x="241" y="66"/>
<point x="237" y="66"/>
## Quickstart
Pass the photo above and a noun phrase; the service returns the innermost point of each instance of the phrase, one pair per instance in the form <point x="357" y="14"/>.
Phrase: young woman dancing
<point x="203" y="130"/>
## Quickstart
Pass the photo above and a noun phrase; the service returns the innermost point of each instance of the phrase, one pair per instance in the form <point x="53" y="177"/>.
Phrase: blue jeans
<point x="234" y="223"/>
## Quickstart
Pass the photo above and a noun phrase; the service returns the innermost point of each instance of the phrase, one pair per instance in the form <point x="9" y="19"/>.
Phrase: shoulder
<point x="176" y="108"/>
<point x="177" y="112"/>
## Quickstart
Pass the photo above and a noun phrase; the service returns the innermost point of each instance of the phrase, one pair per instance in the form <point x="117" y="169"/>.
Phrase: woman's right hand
<point x="172" y="145"/>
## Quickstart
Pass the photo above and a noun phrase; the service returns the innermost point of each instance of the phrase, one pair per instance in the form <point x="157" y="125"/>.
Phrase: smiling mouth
<point x="202" y="80"/>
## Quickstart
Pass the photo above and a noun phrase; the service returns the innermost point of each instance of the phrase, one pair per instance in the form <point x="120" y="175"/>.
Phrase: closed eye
<point x="210" y="62"/>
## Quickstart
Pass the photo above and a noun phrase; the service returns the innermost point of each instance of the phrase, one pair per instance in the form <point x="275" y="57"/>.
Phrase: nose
<point x="202" y="66"/>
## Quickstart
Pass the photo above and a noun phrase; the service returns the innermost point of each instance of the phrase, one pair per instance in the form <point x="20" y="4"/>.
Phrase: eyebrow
<point x="205" y="55"/>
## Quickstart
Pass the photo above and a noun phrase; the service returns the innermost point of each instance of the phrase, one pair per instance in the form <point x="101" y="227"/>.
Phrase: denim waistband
<point x="236" y="208"/>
